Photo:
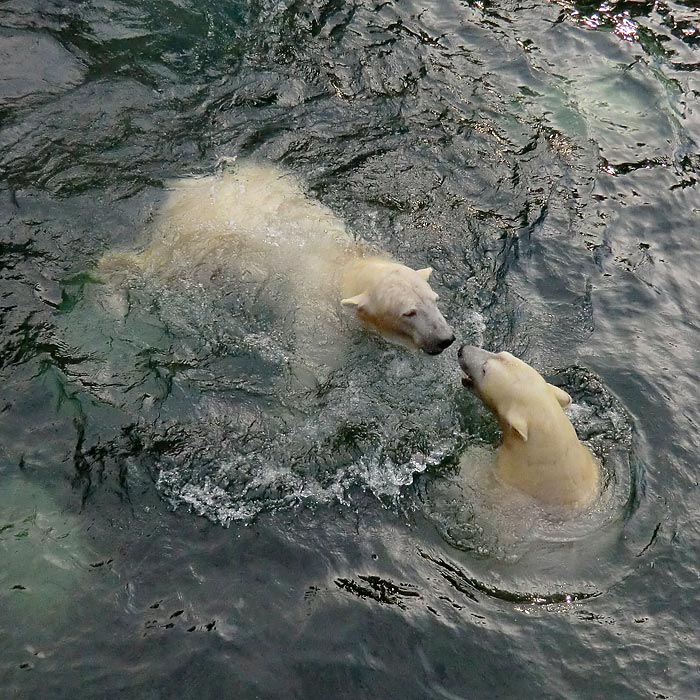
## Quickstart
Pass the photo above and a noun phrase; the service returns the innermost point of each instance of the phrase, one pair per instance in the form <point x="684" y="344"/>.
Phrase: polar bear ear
<point x="425" y="273"/>
<point x="560" y="395"/>
<point x="356" y="302"/>
<point x="519" y="425"/>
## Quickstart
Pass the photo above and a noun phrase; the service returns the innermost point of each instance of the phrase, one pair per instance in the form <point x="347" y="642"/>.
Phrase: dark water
<point x="181" y="515"/>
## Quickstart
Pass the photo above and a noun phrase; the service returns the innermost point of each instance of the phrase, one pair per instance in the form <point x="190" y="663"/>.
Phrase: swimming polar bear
<point x="540" y="453"/>
<point x="255" y="221"/>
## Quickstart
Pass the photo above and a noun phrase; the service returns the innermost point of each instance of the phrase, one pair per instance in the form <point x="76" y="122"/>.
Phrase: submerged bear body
<point x="256" y="222"/>
<point x="540" y="453"/>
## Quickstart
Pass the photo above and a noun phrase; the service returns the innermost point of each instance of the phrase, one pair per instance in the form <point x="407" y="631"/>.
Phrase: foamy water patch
<point x="306" y="446"/>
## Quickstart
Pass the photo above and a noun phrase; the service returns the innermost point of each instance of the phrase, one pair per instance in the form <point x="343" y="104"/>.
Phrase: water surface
<point x="188" y="508"/>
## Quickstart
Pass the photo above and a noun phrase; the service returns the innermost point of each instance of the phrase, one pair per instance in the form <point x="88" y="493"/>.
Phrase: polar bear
<point x="255" y="221"/>
<point x="540" y="453"/>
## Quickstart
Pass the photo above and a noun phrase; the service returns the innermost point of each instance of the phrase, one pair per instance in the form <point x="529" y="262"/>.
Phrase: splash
<point x="253" y="391"/>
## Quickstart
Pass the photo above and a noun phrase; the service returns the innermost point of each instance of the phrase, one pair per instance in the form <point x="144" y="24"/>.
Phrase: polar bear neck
<point x="551" y="465"/>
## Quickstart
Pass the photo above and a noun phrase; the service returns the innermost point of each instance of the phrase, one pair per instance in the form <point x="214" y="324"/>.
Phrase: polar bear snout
<point x="429" y="330"/>
<point x="471" y="361"/>
<point x="439" y="345"/>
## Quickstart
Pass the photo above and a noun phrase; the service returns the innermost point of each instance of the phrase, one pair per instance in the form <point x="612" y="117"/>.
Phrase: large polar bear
<point x="255" y="221"/>
<point x="540" y="453"/>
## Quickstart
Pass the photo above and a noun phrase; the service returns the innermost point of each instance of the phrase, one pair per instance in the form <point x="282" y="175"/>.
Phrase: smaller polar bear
<point x="540" y="453"/>
<point x="256" y="222"/>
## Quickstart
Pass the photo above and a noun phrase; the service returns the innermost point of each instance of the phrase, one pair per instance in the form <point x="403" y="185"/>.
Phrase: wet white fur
<point x="255" y="221"/>
<point x="540" y="453"/>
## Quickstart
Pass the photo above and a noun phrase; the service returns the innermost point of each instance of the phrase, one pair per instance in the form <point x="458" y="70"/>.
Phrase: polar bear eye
<point x="410" y="314"/>
<point x="483" y="368"/>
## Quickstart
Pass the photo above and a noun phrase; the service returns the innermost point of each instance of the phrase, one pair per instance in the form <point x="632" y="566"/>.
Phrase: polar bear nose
<point x="440" y="345"/>
<point x="444" y="344"/>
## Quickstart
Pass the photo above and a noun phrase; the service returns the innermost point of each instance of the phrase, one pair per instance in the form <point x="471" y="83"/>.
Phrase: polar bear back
<point x="254" y="201"/>
<point x="255" y="213"/>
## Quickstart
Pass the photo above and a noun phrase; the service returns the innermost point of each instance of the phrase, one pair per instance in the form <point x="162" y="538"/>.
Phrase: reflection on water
<point x="542" y="159"/>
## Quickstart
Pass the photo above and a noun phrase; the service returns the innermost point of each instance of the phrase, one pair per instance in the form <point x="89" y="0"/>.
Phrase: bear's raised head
<point x="398" y="303"/>
<point x="509" y="387"/>
<point x="540" y="453"/>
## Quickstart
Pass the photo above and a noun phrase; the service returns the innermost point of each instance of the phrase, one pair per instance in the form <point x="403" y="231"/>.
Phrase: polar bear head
<point x="509" y="387"/>
<point x="398" y="303"/>
<point x="540" y="453"/>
